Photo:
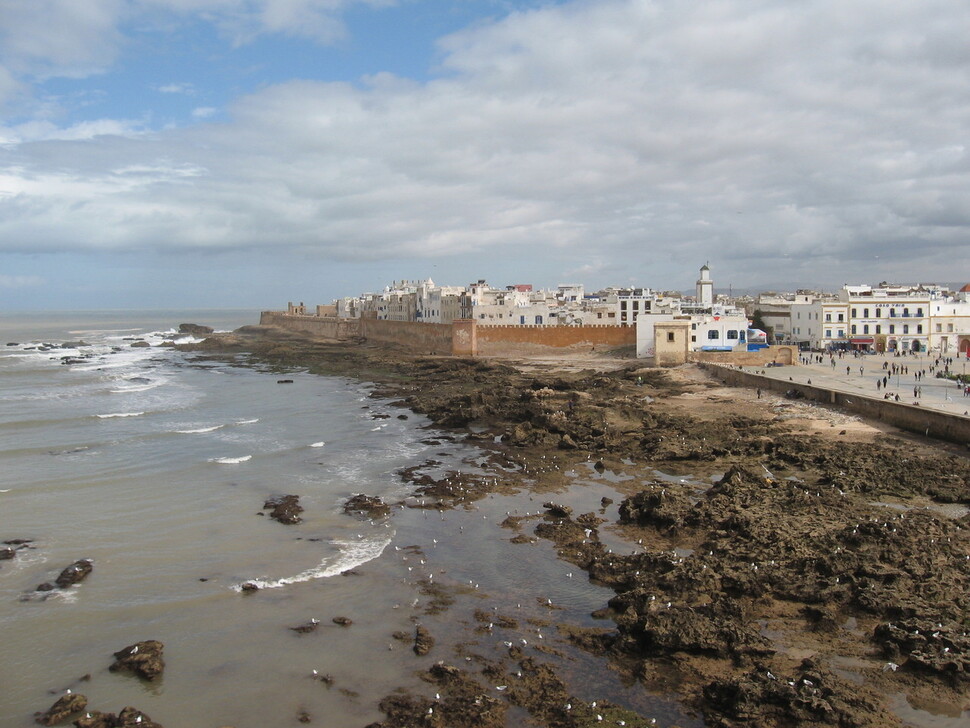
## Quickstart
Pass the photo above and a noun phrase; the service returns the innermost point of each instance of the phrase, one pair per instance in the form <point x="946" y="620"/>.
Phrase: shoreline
<point x="782" y="568"/>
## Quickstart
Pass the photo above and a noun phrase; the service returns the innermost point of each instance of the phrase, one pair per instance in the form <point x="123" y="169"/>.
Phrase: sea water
<point x="156" y="464"/>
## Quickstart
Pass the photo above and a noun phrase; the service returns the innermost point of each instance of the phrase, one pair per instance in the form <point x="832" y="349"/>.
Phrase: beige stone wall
<point x="539" y="340"/>
<point x="923" y="421"/>
<point x="773" y="354"/>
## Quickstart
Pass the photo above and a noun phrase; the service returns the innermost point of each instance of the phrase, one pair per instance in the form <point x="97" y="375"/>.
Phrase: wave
<point x="352" y="554"/>
<point x="248" y="422"/>
<point x="201" y="429"/>
<point x="231" y="461"/>
<point x="119" y="414"/>
<point x="318" y="444"/>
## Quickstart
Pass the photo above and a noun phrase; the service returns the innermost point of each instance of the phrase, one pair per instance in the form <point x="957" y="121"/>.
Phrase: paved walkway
<point x="858" y="374"/>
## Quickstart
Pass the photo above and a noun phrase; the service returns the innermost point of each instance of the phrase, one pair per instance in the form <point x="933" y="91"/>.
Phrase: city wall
<point x="462" y="338"/>
<point x="539" y="340"/>
<point x="322" y="327"/>
<point x="928" y="422"/>
<point x="785" y="355"/>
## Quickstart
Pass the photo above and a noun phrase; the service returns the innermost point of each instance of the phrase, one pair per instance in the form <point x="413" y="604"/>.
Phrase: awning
<point x="867" y="340"/>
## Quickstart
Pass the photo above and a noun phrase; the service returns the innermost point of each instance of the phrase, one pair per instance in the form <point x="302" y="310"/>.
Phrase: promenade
<point x="858" y="374"/>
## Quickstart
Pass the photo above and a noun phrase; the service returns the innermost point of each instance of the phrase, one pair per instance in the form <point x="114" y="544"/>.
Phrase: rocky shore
<point x="811" y="570"/>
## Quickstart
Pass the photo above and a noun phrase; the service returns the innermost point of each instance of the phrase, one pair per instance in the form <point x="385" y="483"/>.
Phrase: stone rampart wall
<point x="318" y="326"/>
<point x="416" y="337"/>
<point x="912" y="418"/>
<point x="472" y="340"/>
<point x="526" y="340"/>
<point x="779" y="354"/>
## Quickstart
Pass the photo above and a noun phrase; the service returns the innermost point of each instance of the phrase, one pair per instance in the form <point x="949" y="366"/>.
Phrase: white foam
<point x="352" y="554"/>
<point x="248" y="422"/>
<point x="231" y="461"/>
<point x="119" y="414"/>
<point x="201" y="429"/>
<point x="318" y="444"/>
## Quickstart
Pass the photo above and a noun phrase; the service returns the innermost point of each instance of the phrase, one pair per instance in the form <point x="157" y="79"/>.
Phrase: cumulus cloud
<point x="779" y="138"/>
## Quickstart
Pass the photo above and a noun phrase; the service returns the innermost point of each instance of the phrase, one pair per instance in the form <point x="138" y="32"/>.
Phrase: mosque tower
<point x="705" y="288"/>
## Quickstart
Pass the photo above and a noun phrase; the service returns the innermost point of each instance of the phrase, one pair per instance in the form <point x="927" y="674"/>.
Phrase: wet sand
<point x="759" y="562"/>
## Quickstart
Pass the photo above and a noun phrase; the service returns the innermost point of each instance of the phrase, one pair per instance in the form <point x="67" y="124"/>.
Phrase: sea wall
<point x="465" y="337"/>
<point x="410" y="335"/>
<point x="912" y="418"/>
<point x="539" y="340"/>
<point x="318" y="326"/>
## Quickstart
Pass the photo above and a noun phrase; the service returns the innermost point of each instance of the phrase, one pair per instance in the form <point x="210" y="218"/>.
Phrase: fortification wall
<point x="920" y="420"/>
<point x="778" y="354"/>
<point x="410" y="335"/>
<point x="525" y="340"/>
<point x="317" y="326"/>
<point x="462" y="338"/>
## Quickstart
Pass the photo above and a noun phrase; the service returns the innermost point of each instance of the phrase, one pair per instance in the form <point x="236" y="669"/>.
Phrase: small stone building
<point x="671" y="342"/>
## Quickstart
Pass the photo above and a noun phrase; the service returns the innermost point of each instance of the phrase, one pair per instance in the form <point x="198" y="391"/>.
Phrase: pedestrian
<point x="878" y="384"/>
<point x="759" y="392"/>
<point x="848" y="371"/>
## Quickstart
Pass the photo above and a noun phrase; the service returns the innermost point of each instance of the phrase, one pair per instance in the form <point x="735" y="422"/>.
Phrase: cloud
<point x="774" y="139"/>
<point x="204" y="112"/>
<point x="20" y="281"/>
<point x="177" y="88"/>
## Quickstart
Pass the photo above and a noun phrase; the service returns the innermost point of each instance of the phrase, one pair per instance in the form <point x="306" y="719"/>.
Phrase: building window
<point x="939" y="328"/>
<point x="853" y="328"/>
<point x="865" y="313"/>
<point x="949" y="328"/>
<point x="670" y="336"/>
<point x="841" y="333"/>
<point x="828" y="317"/>
<point x="865" y="328"/>
<point x="905" y="328"/>
<point x="919" y="312"/>
<point x="828" y="333"/>
<point x="732" y="334"/>
<point x="840" y="317"/>
<point x="878" y="312"/>
<point x="713" y="334"/>
<point x="878" y="329"/>
<point x="892" y="328"/>
<point x="693" y="339"/>
<point x="854" y="314"/>
<point x="919" y="328"/>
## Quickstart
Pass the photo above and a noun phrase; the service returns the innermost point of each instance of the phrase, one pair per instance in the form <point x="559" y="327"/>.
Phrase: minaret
<point x="705" y="287"/>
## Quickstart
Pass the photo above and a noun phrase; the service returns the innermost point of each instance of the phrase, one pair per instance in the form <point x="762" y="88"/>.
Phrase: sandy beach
<point x="764" y="562"/>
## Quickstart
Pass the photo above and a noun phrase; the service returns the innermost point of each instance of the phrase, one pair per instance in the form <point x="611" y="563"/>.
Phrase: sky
<point x="246" y="153"/>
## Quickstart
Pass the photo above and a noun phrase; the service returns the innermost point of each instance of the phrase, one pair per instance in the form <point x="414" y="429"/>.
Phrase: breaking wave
<point x="352" y="554"/>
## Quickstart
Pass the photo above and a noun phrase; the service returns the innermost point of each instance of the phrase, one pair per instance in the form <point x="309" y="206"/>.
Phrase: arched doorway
<point x="965" y="347"/>
<point x="915" y="345"/>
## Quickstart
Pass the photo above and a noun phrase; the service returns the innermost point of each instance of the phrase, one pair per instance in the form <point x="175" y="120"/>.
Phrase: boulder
<point x="423" y="641"/>
<point x="195" y="330"/>
<point x="285" y="508"/>
<point x="142" y="658"/>
<point x="76" y="572"/>
<point x="63" y="707"/>
<point x="368" y="506"/>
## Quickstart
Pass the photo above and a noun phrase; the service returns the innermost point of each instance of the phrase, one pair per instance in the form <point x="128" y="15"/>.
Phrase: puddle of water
<point x="929" y="713"/>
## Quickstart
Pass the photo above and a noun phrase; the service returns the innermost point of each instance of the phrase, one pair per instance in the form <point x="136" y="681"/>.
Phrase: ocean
<point x="155" y="464"/>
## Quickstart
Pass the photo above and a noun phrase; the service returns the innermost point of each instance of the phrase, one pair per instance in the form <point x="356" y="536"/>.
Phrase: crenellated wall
<point x="463" y="337"/>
